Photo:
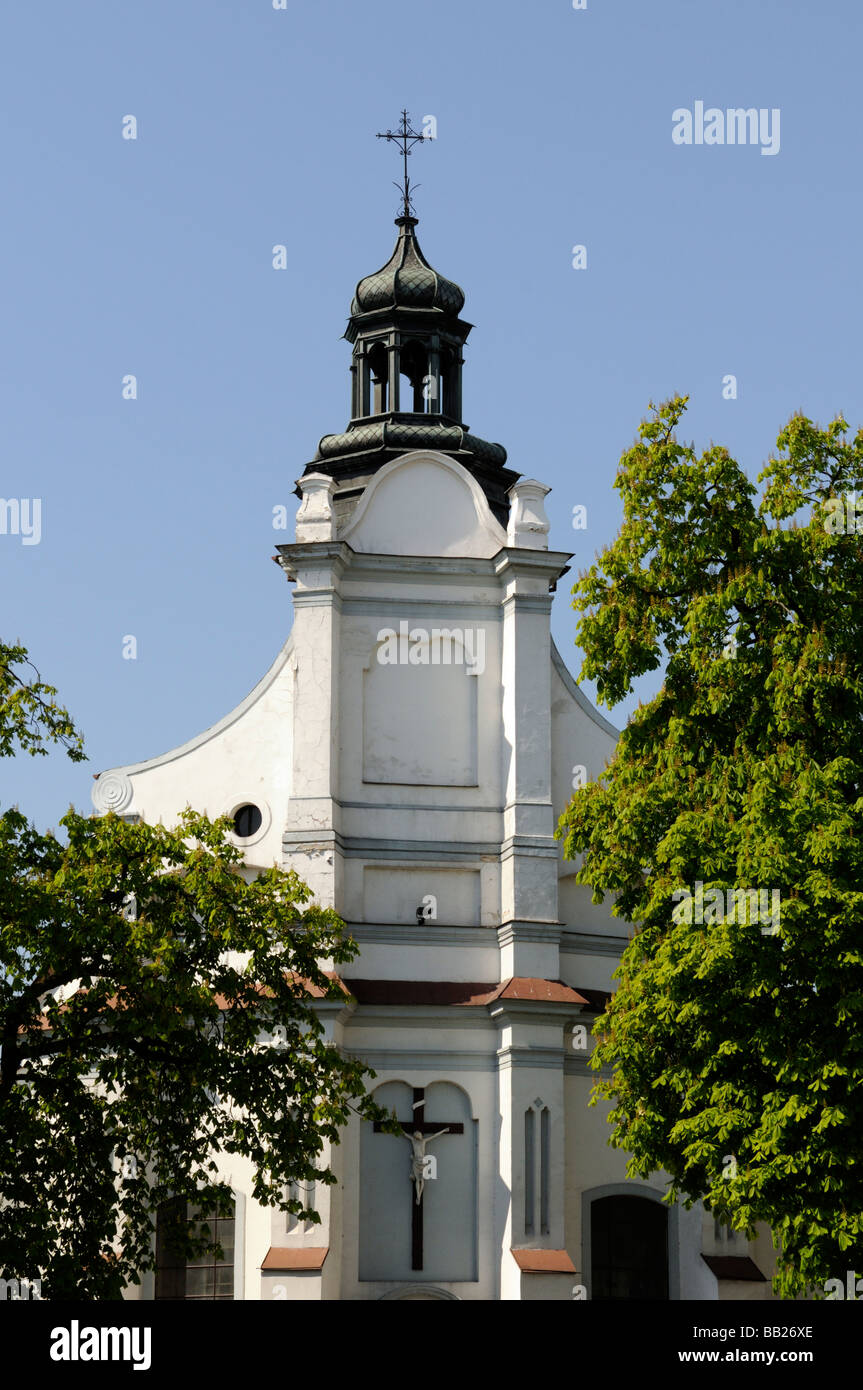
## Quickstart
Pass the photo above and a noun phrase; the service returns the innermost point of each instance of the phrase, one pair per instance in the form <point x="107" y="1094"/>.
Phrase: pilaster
<point x="529" y="852"/>
<point x="312" y="825"/>
<point x="531" y="1151"/>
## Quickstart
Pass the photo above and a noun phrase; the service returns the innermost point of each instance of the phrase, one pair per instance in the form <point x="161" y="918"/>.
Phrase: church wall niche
<point x="392" y="895"/>
<point x="449" y="1199"/>
<point x="537" y="1169"/>
<point x="303" y="1192"/>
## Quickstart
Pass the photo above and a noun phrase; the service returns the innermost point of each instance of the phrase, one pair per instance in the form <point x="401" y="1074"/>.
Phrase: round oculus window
<point x="248" y="820"/>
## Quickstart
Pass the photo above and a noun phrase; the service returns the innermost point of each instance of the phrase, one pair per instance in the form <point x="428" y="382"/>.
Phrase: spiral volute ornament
<point x="112" y="791"/>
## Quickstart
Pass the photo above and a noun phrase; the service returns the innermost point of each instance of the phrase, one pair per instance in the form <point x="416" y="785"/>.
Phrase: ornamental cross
<point x="407" y="138"/>
<point x="419" y="1135"/>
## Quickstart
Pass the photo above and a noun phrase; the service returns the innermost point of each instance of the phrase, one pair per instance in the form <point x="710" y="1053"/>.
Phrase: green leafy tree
<point x="735" y="1043"/>
<point x="155" y="1007"/>
<point x="29" y="714"/>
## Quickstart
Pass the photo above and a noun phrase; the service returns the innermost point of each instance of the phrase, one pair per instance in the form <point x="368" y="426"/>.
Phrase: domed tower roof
<point x="408" y="344"/>
<point x="406" y="371"/>
<point x="407" y="281"/>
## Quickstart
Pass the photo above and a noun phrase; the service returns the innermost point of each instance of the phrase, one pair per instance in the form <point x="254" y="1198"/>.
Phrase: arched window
<point x="414" y="364"/>
<point x="537" y="1168"/>
<point x="305" y="1193"/>
<point x="379" y="364"/>
<point x="200" y="1276"/>
<point x="450" y="387"/>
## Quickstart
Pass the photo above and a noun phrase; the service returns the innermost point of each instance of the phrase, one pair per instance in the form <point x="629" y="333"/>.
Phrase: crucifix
<point x="407" y="138"/>
<point x="419" y="1133"/>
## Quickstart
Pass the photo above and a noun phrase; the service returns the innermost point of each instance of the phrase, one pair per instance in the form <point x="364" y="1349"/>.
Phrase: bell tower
<point x="406" y="372"/>
<point x="405" y="324"/>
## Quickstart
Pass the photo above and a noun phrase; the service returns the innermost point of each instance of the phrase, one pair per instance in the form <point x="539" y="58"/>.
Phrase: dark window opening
<point x="529" y="1171"/>
<point x="628" y="1248"/>
<point x="379" y="365"/>
<point x="449" y="384"/>
<point x="414" y="365"/>
<point x="247" y="821"/>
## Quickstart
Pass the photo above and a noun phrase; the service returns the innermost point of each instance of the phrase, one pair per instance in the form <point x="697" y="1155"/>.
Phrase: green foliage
<point x="155" y="1007"/>
<point x="29" y="714"/>
<point x="744" y="771"/>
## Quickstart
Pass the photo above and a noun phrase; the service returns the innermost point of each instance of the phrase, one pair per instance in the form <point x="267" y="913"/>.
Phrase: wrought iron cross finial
<point x="407" y="138"/>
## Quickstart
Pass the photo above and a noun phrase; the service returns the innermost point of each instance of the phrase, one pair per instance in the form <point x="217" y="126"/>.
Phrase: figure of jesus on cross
<point x="419" y="1161"/>
<point x="419" y="1135"/>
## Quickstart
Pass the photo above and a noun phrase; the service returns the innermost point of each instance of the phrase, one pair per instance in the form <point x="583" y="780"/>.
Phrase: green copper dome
<point x="407" y="281"/>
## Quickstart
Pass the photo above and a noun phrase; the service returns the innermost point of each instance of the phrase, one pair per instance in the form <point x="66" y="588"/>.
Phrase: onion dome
<point x="407" y="281"/>
<point x="406" y="380"/>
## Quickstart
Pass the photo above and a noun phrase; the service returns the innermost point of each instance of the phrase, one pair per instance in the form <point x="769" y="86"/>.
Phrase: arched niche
<point x="388" y="1204"/>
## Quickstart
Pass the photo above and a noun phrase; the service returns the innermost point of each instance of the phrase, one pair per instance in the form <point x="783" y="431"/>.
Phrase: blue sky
<point x="256" y="127"/>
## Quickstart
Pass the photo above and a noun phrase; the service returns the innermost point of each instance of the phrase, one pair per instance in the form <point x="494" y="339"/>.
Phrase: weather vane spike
<point x="407" y="137"/>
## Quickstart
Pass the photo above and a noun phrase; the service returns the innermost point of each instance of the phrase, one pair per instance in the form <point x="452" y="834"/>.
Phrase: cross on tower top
<point x="407" y="138"/>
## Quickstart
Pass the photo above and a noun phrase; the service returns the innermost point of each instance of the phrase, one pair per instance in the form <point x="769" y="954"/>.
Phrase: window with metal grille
<point x="199" y="1276"/>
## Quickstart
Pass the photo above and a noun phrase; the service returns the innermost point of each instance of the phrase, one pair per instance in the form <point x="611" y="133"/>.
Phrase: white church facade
<point x="409" y="754"/>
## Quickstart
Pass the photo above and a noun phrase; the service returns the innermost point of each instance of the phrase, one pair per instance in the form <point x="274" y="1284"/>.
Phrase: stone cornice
<point x="432" y="852"/>
<point x="422" y="935"/>
<point x="508" y="933"/>
<point x="301" y="555"/>
<point x="535" y="562"/>
<point x="506" y="1011"/>
<point x="510" y="1057"/>
<point x="453" y="1017"/>
<point x="586" y="944"/>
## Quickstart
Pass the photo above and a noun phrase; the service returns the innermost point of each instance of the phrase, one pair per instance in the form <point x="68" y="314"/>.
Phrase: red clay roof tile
<point x="300" y="1257"/>
<point x="543" y="1261"/>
